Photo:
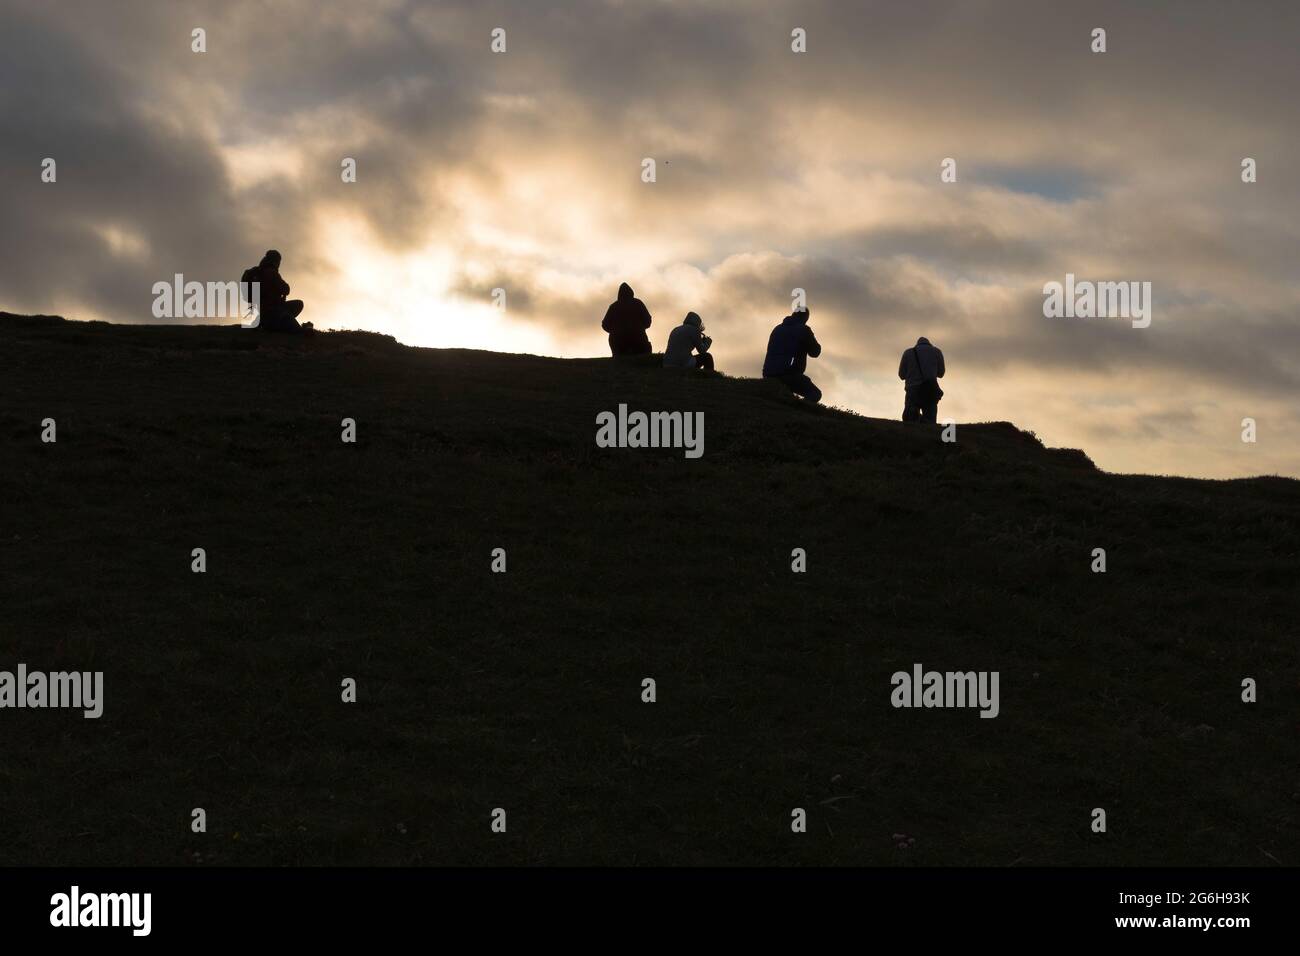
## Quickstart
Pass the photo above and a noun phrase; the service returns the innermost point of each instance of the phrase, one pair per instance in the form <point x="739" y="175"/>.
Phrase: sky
<point x="775" y="170"/>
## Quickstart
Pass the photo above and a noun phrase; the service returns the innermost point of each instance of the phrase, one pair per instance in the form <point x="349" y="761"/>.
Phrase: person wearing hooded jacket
<point x="685" y="341"/>
<point x="277" y="312"/>
<point x="789" y="347"/>
<point x="920" y="369"/>
<point x="626" y="321"/>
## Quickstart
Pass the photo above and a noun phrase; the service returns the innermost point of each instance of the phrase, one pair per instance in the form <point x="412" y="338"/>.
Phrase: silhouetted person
<point x="626" y="321"/>
<point x="788" y="349"/>
<point x="685" y="341"/>
<point x="278" y="312"/>
<point x="921" y="368"/>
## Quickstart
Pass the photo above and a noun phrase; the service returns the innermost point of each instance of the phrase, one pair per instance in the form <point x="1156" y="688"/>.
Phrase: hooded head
<point x="624" y="292"/>
<point x="272" y="259"/>
<point x="799" y="316"/>
<point x="923" y="341"/>
<point x="693" y="319"/>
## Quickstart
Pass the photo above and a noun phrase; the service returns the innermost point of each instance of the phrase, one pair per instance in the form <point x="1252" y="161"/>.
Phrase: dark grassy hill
<point x="522" y="690"/>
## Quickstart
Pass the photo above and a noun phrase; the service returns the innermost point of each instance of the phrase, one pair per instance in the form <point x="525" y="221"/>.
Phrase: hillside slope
<point x="522" y="690"/>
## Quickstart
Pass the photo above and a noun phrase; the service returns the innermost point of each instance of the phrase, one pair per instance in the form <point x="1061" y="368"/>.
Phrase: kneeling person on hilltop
<point x="626" y="321"/>
<point x="789" y="347"/>
<point x="684" y="341"/>
<point x="278" y="312"/>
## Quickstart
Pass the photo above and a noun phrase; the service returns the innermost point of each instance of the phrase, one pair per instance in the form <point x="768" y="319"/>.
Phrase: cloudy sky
<point x="818" y="170"/>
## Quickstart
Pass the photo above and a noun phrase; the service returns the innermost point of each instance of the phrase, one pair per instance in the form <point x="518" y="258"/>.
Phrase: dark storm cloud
<point x="117" y="169"/>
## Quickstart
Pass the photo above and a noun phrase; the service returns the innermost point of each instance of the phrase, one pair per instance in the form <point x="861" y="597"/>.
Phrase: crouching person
<point x="688" y="346"/>
<point x="789" y="347"/>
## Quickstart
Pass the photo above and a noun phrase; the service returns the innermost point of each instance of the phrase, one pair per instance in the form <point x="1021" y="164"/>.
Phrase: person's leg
<point x="911" y="411"/>
<point x="803" y="385"/>
<point x="281" y="317"/>
<point x="268" y="319"/>
<point x="704" y="361"/>
<point x="929" y="411"/>
<point x="288" y="317"/>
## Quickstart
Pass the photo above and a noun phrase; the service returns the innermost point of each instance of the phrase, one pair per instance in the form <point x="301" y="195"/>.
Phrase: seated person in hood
<point x="278" y="312"/>
<point x="789" y="347"/>
<point x="685" y="341"/>
<point x="626" y="321"/>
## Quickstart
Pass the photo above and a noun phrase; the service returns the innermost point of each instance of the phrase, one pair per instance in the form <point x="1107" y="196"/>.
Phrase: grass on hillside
<point x="522" y="690"/>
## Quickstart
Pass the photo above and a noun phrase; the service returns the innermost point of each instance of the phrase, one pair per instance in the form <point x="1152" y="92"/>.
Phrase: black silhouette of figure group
<point x="789" y="347"/>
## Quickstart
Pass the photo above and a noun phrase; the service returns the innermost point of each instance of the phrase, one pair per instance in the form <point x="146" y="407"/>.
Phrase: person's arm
<point x="646" y="313"/>
<point x="702" y="343"/>
<point x="604" y="323"/>
<point x="902" y="367"/>
<point x="813" y="347"/>
<point x="940" y="363"/>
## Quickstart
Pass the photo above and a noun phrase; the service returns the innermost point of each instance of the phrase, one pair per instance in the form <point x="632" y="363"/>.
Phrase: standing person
<point x="684" y="341"/>
<point x="278" y="313"/>
<point x="920" y="368"/>
<point x="626" y="321"/>
<point x="789" y="347"/>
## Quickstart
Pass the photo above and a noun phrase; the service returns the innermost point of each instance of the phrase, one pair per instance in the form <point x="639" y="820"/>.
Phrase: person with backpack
<point x="626" y="321"/>
<point x="277" y="312"/>
<point x="789" y="347"/>
<point x="920" y="368"/>
<point x="685" y="341"/>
